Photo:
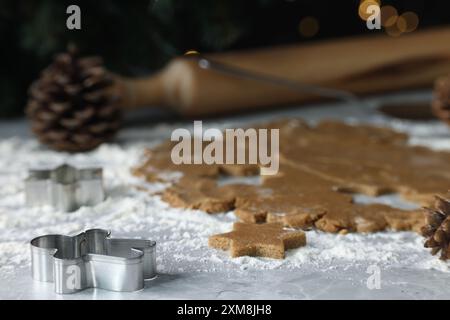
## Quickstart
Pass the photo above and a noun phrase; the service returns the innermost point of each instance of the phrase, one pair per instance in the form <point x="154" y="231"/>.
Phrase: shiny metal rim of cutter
<point x="92" y="259"/>
<point x="66" y="188"/>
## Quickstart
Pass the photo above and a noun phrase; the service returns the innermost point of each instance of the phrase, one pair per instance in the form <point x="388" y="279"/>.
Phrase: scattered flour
<point x="181" y="235"/>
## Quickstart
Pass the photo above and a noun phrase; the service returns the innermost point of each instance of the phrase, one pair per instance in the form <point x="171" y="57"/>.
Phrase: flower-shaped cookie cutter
<point x="92" y="260"/>
<point x="65" y="187"/>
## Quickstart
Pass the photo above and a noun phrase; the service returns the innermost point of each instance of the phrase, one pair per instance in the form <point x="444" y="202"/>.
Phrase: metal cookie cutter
<point x="93" y="260"/>
<point x="66" y="188"/>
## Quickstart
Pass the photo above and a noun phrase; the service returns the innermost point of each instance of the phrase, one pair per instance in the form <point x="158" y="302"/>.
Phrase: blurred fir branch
<point x="130" y="35"/>
<point x="137" y="36"/>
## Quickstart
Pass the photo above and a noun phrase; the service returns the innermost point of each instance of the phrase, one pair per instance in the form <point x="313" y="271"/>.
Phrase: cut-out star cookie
<point x="264" y="240"/>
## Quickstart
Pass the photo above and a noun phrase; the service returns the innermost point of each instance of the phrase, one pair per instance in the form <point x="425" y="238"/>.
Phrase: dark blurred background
<point x="139" y="36"/>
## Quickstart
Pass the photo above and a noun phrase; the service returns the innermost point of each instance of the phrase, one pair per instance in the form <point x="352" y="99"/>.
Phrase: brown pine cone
<point x="70" y="105"/>
<point x="437" y="229"/>
<point x="441" y="99"/>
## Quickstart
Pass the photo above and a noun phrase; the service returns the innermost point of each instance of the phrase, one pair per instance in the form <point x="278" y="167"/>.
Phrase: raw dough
<point x="264" y="240"/>
<point x="320" y="166"/>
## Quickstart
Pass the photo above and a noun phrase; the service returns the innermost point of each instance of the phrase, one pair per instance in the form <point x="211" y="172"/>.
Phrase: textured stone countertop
<point x="330" y="267"/>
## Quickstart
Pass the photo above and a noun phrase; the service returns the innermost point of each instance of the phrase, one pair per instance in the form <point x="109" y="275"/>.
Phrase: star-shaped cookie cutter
<point x="65" y="187"/>
<point x="92" y="259"/>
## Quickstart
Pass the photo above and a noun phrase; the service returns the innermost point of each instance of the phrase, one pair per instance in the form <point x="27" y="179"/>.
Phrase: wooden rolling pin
<point x="361" y="65"/>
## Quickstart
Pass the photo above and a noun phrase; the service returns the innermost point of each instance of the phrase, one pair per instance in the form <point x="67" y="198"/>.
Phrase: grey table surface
<point x="340" y="282"/>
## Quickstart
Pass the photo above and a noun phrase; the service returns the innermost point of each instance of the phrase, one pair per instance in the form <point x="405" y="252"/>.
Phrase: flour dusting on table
<point x="182" y="235"/>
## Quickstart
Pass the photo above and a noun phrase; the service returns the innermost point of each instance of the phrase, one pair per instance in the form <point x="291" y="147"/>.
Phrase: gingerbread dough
<point x="264" y="240"/>
<point x="320" y="167"/>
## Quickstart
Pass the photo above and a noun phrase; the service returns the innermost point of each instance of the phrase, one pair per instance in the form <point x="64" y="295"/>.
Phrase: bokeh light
<point x="191" y="53"/>
<point x="393" y="30"/>
<point x="408" y="22"/>
<point x="389" y="16"/>
<point x="364" y="4"/>
<point x="308" y="27"/>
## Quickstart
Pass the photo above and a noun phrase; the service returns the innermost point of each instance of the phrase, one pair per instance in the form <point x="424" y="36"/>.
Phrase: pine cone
<point x="441" y="99"/>
<point x="437" y="229"/>
<point x="70" y="106"/>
